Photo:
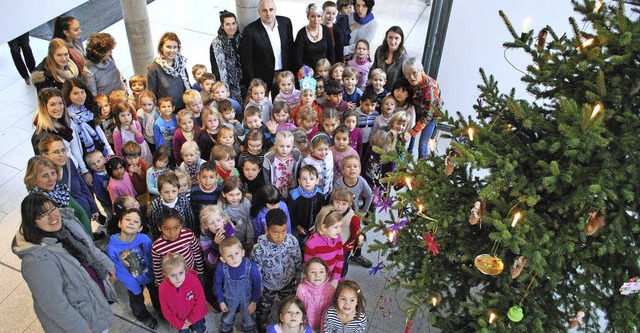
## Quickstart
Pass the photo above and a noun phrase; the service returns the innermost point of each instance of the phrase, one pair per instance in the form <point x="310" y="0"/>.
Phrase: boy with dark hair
<point x="304" y="203"/>
<point x="168" y="186"/>
<point x="252" y="175"/>
<point x="207" y="191"/>
<point x="334" y="97"/>
<point x="341" y="29"/>
<point x="253" y="122"/>
<point x="278" y="257"/>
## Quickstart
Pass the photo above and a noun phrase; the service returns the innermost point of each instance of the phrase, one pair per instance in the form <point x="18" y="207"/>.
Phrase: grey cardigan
<point x="394" y="70"/>
<point x="163" y="84"/>
<point x="103" y="77"/>
<point x="65" y="298"/>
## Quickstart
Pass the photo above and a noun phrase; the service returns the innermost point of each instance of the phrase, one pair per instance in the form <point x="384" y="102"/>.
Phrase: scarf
<point x="308" y="194"/>
<point x="179" y="68"/>
<point x="192" y="170"/>
<point x="79" y="250"/>
<point x="293" y="98"/>
<point x="60" y="194"/>
<point x="222" y="173"/>
<point x="362" y="21"/>
<point x="225" y="51"/>
<point x="81" y="116"/>
<point x="67" y="72"/>
<point x="64" y="130"/>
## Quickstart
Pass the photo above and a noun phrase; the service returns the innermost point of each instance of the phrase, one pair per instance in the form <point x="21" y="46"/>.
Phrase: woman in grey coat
<point x="66" y="273"/>
<point x="101" y="74"/>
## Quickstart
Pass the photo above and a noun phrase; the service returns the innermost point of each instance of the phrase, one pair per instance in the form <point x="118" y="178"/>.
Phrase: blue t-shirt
<point x="163" y="131"/>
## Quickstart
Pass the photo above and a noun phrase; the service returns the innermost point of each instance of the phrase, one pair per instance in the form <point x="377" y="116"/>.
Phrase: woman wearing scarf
<point x="42" y="177"/>
<point x="81" y="108"/>
<point x="362" y="24"/>
<point x="52" y="118"/>
<point x="52" y="147"/>
<point x="67" y="28"/>
<point x="313" y="41"/>
<point x="56" y="67"/>
<point x="167" y="75"/>
<point x="224" y="56"/>
<point x="66" y="274"/>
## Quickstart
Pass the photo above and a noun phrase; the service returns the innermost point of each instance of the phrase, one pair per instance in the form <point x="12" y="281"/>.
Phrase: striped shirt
<point x="327" y="249"/>
<point x="333" y="324"/>
<point x="186" y="244"/>
<point x="365" y="123"/>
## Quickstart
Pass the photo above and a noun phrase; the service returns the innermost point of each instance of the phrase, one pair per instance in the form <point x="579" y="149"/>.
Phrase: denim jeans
<point x="425" y="135"/>
<point x="237" y="296"/>
<point x="198" y="327"/>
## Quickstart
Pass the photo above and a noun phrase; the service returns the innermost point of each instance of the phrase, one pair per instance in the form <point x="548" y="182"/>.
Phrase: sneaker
<point x="362" y="261"/>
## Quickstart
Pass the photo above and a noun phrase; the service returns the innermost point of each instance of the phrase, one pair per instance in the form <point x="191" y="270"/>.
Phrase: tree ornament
<point x="449" y="165"/>
<point x="489" y="264"/>
<point x="542" y="39"/>
<point x="478" y="211"/>
<point x="374" y="270"/>
<point x="630" y="287"/>
<point x="515" y="314"/>
<point x="430" y="241"/>
<point x="518" y="266"/>
<point x="594" y="223"/>
<point x="577" y="320"/>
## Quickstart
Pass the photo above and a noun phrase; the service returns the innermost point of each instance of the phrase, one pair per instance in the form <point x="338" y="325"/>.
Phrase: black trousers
<point x="20" y="47"/>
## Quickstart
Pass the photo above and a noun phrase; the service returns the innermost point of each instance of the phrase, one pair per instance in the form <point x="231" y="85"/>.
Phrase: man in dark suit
<point x="266" y="46"/>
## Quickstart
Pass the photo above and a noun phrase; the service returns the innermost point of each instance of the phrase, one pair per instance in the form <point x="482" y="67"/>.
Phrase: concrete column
<point x="246" y="12"/>
<point x="436" y="35"/>
<point x="136" y="22"/>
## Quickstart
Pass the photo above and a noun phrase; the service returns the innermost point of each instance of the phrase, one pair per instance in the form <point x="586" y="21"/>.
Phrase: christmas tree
<point x="530" y="222"/>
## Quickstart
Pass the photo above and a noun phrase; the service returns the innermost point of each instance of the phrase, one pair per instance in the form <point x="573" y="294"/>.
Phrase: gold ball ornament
<point x="489" y="264"/>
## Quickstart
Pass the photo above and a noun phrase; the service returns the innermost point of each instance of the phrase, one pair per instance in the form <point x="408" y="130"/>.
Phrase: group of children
<point x="242" y="203"/>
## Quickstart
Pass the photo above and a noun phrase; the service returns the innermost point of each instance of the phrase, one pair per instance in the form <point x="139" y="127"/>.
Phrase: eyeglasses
<point x="46" y="214"/>
<point x="59" y="152"/>
<point x="413" y="74"/>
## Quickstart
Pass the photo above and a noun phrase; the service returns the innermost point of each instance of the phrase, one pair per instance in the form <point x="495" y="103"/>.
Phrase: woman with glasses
<point x="42" y="177"/>
<point x="52" y="117"/>
<point x="426" y="100"/>
<point x="53" y="147"/>
<point x="66" y="274"/>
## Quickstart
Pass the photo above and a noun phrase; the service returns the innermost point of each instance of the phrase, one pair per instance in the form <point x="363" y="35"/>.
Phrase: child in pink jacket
<point x="315" y="291"/>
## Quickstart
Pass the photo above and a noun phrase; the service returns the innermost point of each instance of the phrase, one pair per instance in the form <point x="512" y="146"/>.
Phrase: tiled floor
<point x="196" y="23"/>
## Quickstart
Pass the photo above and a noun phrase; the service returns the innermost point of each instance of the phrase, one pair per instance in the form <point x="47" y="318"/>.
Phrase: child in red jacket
<point x="181" y="296"/>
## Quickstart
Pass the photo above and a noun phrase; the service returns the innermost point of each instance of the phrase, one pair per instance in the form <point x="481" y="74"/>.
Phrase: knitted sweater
<point x="186" y="244"/>
<point x="360" y="189"/>
<point x="328" y="249"/>
<point x="103" y="77"/>
<point x="147" y="120"/>
<point x="304" y="209"/>
<point x="163" y="84"/>
<point x="241" y="219"/>
<point x="317" y="300"/>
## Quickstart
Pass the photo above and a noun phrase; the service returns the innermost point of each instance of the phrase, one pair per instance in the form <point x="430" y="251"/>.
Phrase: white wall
<point x="474" y="39"/>
<point x="23" y="15"/>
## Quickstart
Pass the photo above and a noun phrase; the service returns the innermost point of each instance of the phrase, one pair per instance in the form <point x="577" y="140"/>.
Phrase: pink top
<point x="337" y="160"/>
<point x="117" y="187"/>
<point x="317" y="300"/>
<point x="328" y="249"/>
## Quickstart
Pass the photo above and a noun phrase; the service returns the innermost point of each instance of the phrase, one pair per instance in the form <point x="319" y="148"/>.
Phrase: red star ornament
<point x="430" y="241"/>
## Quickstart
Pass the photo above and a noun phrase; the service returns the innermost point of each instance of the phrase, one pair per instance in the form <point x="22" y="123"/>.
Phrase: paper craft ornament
<point x="577" y="320"/>
<point x="449" y="165"/>
<point x="477" y="212"/>
<point x="515" y="314"/>
<point x="594" y="223"/>
<point x="630" y="287"/>
<point x="518" y="266"/>
<point x="489" y="264"/>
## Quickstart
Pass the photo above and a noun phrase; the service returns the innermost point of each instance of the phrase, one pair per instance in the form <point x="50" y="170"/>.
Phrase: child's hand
<point x="301" y="230"/>
<point x="186" y="324"/>
<point x="272" y="126"/>
<point x="251" y="308"/>
<point x="233" y="121"/>
<point x="223" y="307"/>
<point x="219" y="237"/>
<point x="248" y="196"/>
<point x="406" y="137"/>
<point x="334" y="283"/>
<point x="351" y="105"/>
<point x="88" y="178"/>
<point x="134" y="168"/>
